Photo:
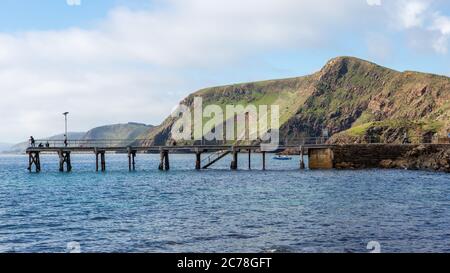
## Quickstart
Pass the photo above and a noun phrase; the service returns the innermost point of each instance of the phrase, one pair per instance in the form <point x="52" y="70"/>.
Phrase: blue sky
<point x="25" y="15"/>
<point x="140" y="57"/>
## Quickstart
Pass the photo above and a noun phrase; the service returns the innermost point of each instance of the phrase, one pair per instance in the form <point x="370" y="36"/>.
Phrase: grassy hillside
<point x="118" y="131"/>
<point x="126" y="132"/>
<point x="352" y="98"/>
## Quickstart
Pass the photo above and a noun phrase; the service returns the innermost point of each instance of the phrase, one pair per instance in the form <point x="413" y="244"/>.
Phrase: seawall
<point x="434" y="157"/>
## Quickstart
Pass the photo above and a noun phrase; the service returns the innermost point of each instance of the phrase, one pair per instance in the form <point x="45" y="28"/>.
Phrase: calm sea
<point x="183" y="210"/>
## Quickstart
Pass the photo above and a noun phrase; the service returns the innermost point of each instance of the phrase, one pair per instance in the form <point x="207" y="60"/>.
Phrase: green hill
<point x="352" y="98"/>
<point x="128" y="131"/>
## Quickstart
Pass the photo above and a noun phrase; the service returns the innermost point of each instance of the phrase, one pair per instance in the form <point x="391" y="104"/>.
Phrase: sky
<point x="115" y="61"/>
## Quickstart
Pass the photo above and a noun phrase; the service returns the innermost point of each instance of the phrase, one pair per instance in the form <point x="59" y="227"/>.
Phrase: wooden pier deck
<point x="216" y="153"/>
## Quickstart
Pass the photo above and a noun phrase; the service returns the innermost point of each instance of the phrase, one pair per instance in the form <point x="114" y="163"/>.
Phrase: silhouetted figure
<point x="47" y="145"/>
<point x="174" y="143"/>
<point x="41" y="145"/>
<point x="66" y="143"/>
<point x="32" y="142"/>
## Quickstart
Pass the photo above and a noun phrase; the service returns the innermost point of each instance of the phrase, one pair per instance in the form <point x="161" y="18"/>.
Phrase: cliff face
<point x="352" y="98"/>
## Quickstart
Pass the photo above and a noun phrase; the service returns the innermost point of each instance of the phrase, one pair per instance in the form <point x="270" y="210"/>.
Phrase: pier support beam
<point x="64" y="159"/>
<point x="103" y="161"/>
<point x="96" y="161"/>
<point x="302" y="161"/>
<point x="198" y="160"/>
<point x="234" y="162"/>
<point x="164" y="164"/>
<point x="131" y="160"/>
<point x="264" y="161"/>
<point x="249" y="159"/>
<point x="101" y="154"/>
<point x="34" y="159"/>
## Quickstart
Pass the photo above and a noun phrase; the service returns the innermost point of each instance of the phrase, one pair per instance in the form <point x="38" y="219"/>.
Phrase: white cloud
<point x="422" y="21"/>
<point x="412" y="13"/>
<point x="134" y="65"/>
<point x="441" y="24"/>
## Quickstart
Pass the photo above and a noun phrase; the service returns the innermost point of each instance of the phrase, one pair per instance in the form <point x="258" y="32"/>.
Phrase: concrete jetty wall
<point x="357" y="156"/>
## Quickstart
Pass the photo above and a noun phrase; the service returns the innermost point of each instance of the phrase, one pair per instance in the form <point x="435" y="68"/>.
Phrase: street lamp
<point x="65" y="135"/>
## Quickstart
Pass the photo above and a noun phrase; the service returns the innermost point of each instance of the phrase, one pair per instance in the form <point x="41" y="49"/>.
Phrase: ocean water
<point x="282" y="209"/>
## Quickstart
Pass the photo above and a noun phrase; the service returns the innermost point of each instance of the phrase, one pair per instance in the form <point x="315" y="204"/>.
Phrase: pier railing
<point x="288" y="142"/>
<point x="104" y="143"/>
<point x="111" y="143"/>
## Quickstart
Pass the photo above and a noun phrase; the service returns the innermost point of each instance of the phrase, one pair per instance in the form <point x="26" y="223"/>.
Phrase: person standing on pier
<point x="65" y="141"/>
<point x="32" y="142"/>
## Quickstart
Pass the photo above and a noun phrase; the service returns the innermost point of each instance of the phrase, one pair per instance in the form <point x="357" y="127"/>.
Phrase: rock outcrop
<point x="422" y="157"/>
<point x="412" y="157"/>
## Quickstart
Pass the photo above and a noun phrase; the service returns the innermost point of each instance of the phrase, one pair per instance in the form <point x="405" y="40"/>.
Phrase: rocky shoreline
<point x="432" y="157"/>
<point x="422" y="157"/>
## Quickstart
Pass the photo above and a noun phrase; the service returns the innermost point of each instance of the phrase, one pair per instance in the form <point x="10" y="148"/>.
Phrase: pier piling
<point x="96" y="161"/>
<point x="103" y="161"/>
<point x="164" y="164"/>
<point x="234" y="162"/>
<point x="302" y="161"/>
<point x="198" y="160"/>
<point x="64" y="159"/>
<point x="131" y="160"/>
<point x="264" y="161"/>
<point x="101" y="154"/>
<point x="34" y="159"/>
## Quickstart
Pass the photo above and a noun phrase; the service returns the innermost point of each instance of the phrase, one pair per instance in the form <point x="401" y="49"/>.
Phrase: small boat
<point x="282" y="157"/>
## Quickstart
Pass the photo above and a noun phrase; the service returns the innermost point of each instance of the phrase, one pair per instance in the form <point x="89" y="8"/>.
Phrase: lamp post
<point x="65" y="131"/>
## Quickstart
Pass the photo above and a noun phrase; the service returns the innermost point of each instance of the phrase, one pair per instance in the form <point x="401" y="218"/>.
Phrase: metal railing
<point x="112" y="143"/>
<point x="212" y="157"/>
<point x="104" y="143"/>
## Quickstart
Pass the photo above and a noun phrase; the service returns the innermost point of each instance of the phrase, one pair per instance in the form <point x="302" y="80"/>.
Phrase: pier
<point x="204" y="155"/>
<point x="320" y="155"/>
